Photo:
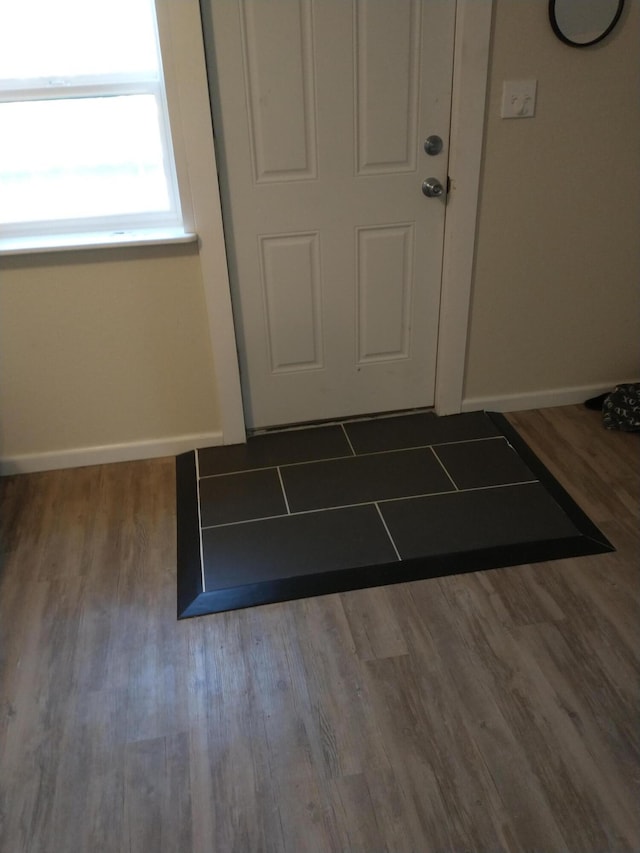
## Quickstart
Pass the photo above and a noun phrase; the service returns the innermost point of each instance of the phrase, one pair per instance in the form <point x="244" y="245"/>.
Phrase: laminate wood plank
<point x="515" y="796"/>
<point x="394" y="698"/>
<point x="355" y="815"/>
<point x="278" y="691"/>
<point x="553" y="746"/>
<point x="375" y="630"/>
<point x="102" y="826"/>
<point x="434" y="759"/>
<point x="232" y="803"/>
<point x="602" y="639"/>
<point x="396" y="805"/>
<point x="607" y="683"/>
<point x="25" y="738"/>
<point x="279" y="698"/>
<point x="306" y="817"/>
<point x="344" y="728"/>
<point x="600" y="734"/>
<point x="340" y="721"/>
<point x="156" y="795"/>
<point x="598" y="467"/>
<point x="519" y="596"/>
<point x="484" y="712"/>
<point x="617" y="578"/>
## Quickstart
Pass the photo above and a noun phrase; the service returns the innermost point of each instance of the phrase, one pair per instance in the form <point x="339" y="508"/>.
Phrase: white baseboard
<point x="131" y="451"/>
<point x="538" y="399"/>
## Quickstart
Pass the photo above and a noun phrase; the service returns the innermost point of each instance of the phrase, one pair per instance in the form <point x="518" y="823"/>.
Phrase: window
<point x="85" y="144"/>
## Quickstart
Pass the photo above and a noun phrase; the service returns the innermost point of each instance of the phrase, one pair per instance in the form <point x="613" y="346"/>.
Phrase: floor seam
<point x="355" y="456"/>
<point x="284" y="491"/>
<point x="200" y="527"/>
<point x="346" y="435"/>
<point x="388" y="531"/>
<point x="292" y="513"/>
<point x="442" y="465"/>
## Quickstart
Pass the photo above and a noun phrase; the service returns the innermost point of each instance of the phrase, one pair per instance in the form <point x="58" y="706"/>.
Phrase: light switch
<point x="518" y="98"/>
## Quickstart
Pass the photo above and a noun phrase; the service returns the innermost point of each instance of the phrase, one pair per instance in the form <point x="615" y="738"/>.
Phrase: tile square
<point x="295" y="545"/>
<point x="275" y="448"/>
<point x="363" y="479"/>
<point x="466" y="521"/>
<point x="475" y="464"/>
<point x="417" y="430"/>
<point x="238" y="497"/>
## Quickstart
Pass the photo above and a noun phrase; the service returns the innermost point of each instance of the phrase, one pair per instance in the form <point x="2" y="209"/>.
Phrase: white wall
<point x="107" y="355"/>
<point x="103" y="348"/>
<point x="555" y="296"/>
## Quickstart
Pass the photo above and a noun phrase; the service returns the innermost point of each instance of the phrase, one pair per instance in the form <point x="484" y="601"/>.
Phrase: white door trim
<point x="471" y="63"/>
<point x="470" y="77"/>
<point x="187" y="82"/>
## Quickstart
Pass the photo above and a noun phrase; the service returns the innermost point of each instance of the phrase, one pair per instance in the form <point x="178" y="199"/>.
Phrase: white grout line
<point x="200" y="528"/>
<point x="355" y="456"/>
<point x="329" y="422"/>
<point x="388" y="532"/>
<point x="271" y="467"/>
<point x="328" y="509"/>
<point x="251" y="520"/>
<point x="379" y="501"/>
<point x="284" y="493"/>
<point x="370" y="503"/>
<point x="468" y="440"/>
<point x="499" y="486"/>
<point x="293" y="428"/>
<point x="455" y="486"/>
<point x="282" y="515"/>
<point x="346" y="435"/>
<point x="452" y="492"/>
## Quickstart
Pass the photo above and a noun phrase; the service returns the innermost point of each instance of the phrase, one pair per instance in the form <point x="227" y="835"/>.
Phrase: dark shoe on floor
<point x="596" y="403"/>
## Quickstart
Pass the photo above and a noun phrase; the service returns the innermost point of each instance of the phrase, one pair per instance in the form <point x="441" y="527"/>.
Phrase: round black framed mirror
<point x="581" y="23"/>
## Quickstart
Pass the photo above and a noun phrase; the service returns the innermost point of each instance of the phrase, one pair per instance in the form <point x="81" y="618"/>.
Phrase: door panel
<point x="320" y="109"/>
<point x="383" y="282"/>
<point x="290" y="272"/>
<point x="280" y="94"/>
<point x="387" y="63"/>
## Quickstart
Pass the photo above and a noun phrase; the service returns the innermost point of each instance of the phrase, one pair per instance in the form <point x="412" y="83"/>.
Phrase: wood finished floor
<point x="487" y="712"/>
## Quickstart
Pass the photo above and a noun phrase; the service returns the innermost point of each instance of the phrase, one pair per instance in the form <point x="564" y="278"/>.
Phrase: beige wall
<point x="103" y="347"/>
<point x="555" y="297"/>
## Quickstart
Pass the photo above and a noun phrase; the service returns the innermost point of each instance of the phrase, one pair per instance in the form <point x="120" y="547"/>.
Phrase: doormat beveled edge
<point x="574" y="512"/>
<point x="192" y="600"/>
<point x="421" y="568"/>
<point x="189" y="555"/>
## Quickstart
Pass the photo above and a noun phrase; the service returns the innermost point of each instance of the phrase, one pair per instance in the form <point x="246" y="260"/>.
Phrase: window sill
<point x="97" y="240"/>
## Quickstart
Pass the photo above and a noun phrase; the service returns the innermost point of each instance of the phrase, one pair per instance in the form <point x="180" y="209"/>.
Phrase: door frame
<point x="469" y="94"/>
<point x="471" y="54"/>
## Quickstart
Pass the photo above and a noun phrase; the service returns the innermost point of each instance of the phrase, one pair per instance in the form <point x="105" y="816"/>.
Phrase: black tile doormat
<point x="324" y="509"/>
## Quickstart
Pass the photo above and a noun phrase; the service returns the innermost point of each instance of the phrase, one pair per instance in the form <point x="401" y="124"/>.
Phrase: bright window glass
<point x="64" y="38"/>
<point x="100" y="157"/>
<point x="84" y="131"/>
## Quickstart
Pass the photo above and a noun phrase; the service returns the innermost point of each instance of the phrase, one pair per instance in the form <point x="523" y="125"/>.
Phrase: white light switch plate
<point x="518" y="98"/>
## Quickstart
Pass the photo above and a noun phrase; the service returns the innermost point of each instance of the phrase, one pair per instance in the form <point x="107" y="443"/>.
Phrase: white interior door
<point x="321" y="109"/>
